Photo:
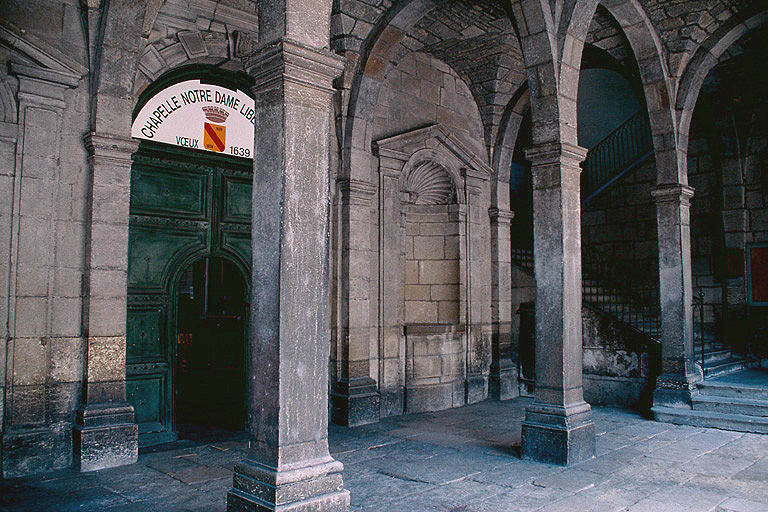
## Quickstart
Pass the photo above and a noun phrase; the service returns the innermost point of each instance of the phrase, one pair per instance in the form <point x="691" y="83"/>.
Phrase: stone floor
<point x="462" y="460"/>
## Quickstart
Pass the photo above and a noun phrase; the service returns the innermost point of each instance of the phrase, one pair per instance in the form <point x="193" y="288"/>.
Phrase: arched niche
<point x="435" y="256"/>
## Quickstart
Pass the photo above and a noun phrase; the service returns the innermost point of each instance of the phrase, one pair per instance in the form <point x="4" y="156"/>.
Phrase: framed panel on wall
<point x="757" y="274"/>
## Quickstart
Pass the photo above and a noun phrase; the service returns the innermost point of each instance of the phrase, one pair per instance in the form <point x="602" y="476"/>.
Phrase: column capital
<point x="389" y="153"/>
<point x="113" y="148"/>
<point x="356" y="189"/>
<point x="291" y="61"/>
<point x="672" y="192"/>
<point x="501" y="215"/>
<point x="554" y="153"/>
<point x="43" y="86"/>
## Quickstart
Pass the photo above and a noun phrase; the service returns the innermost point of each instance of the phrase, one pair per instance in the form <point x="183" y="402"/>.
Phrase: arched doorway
<point x="187" y="208"/>
<point x="211" y="325"/>
<point x="190" y="209"/>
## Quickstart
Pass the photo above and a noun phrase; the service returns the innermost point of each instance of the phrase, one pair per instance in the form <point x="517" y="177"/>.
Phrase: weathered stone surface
<point x="464" y="66"/>
<point x="455" y="458"/>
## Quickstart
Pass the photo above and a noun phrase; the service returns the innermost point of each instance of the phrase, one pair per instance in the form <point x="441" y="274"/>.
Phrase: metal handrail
<point x="627" y="290"/>
<point x="698" y="303"/>
<point x="616" y="154"/>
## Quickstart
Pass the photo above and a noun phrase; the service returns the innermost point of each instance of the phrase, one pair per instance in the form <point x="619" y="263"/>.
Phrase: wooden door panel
<point x="146" y="391"/>
<point x="179" y="205"/>
<point x="151" y="250"/>
<point x="238" y="243"/>
<point x="161" y="192"/>
<point x="143" y="338"/>
<point x="236" y="199"/>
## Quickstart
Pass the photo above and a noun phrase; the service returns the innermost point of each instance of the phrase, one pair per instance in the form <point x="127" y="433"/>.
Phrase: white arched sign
<point x="199" y="116"/>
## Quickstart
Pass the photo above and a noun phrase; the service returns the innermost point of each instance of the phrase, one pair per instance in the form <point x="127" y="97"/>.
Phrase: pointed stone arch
<point x="657" y="83"/>
<point x="707" y="57"/>
<point x="509" y="128"/>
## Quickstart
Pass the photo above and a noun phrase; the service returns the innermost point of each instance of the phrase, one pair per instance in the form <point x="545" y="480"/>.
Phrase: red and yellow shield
<point x="214" y="137"/>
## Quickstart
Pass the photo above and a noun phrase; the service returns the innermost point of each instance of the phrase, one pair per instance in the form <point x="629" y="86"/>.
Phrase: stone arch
<point x="121" y="44"/>
<point x="706" y="57"/>
<point x="8" y="111"/>
<point x="536" y="28"/>
<point x="378" y="55"/>
<point x="506" y="141"/>
<point x="158" y="58"/>
<point x="654" y="74"/>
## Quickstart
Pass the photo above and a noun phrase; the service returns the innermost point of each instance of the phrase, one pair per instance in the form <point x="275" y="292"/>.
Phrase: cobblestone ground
<point x="462" y="460"/>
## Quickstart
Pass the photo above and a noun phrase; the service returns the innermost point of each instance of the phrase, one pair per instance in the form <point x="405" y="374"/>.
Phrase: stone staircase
<point x="719" y="360"/>
<point x="735" y="401"/>
<point x="630" y="295"/>
<point x="612" y="302"/>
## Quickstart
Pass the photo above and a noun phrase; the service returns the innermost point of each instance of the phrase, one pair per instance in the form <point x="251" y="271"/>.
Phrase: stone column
<point x="558" y="426"/>
<point x="355" y="397"/>
<point x="502" y="383"/>
<point x="391" y="282"/>
<point x="678" y="369"/>
<point x="105" y="433"/>
<point x="477" y="262"/>
<point x="288" y="466"/>
<point x="35" y="405"/>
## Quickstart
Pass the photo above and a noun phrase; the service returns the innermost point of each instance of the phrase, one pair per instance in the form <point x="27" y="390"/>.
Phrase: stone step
<point x="732" y="365"/>
<point x="709" y="419"/>
<point x="709" y="346"/>
<point x="730" y="405"/>
<point x="713" y="357"/>
<point x="733" y="390"/>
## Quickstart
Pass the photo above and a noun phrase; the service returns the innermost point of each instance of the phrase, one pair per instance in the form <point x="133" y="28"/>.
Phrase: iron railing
<point x="626" y="290"/>
<point x="523" y="257"/>
<point x="698" y="303"/>
<point x="615" y="155"/>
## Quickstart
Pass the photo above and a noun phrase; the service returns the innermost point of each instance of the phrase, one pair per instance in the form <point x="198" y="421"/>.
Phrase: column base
<point x="105" y="436"/>
<point x="314" y="488"/>
<point x="355" y="402"/>
<point x="674" y="391"/>
<point x="559" y="435"/>
<point x="502" y="383"/>
<point x="477" y="388"/>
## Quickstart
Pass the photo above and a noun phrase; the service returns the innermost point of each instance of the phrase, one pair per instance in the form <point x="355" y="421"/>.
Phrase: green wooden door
<point x="184" y="205"/>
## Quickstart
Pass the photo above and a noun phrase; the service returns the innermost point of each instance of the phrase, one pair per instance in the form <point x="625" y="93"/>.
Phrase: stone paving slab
<point x="461" y="460"/>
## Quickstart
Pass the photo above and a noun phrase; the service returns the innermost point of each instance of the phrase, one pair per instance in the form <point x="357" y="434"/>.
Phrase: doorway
<point x="212" y="313"/>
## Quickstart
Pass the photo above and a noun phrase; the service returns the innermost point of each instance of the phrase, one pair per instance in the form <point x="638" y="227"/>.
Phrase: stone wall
<point x="618" y="362"/>
<point x="423" y="90"/>
<point x="620" y="223"/>
<point x="435" y="367"/>
<point x="44" y="180"/>
<point x="432" y="264"/>
<point x="706" y="228"/>
<point x="727" y="156"/>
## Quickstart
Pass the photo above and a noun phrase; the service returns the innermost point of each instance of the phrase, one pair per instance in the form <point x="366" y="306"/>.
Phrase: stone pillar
<point x="502" y="383"/>
<point x="391" y="282"/>
<point x="105" y="433"/>
<point x="288" y="466"/>
<point x="34" y="405"/>
<point x="354" y="396"/>
<point x="558" y="426"/>
<point x="678" y="369"/>
<point x="476" y="262"/>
